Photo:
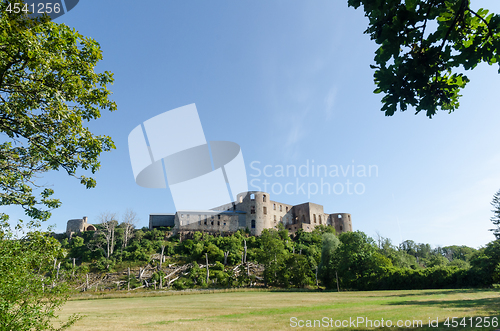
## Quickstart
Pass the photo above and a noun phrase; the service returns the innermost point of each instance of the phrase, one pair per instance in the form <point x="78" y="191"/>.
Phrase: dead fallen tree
<point x="147" y="276"/>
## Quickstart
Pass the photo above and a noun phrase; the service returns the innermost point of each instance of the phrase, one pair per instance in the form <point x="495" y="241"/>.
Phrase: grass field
<point x="267" y="310"/>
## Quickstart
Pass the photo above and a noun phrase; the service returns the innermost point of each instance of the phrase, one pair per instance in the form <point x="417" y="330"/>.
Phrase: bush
<point x="197" y="275"/>
<point x="218" y="266"/>
<point x="183" y="283"/>
<point x="102" y="265"/>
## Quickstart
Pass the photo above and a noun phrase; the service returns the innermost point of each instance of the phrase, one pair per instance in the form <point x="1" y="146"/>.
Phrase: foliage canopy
<point x="424" y="47"/>
<point x="48" y="91"/>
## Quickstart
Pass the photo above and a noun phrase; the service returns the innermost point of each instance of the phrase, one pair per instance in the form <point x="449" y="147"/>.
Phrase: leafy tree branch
<point x="415" y="67"/>
<point x="48" y="92"/>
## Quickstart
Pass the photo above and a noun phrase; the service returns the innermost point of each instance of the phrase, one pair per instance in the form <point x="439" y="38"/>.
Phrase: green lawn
<point x="266" y="310"/>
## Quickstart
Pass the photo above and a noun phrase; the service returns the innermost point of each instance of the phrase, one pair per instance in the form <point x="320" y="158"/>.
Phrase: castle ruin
<point x="255" y="211"/>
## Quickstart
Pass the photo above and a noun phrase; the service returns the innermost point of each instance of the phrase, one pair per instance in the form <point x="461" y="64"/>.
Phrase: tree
<point x="296" y="271"/>
<point x="272" y="254"/>
<point x="437" y="260"/>
<point x="108" y="223"/>
<point x="128" y="225"/>
<point x="29" y="292"/>
<point x="327" y="267"/>
<point x="486" y="264"/>
<point x="409" y="246"/>
<point x="419" y="67"/>
<point x="454" y="252"/>
<point x="48" y="91"/>
<point x="399" y="256"/>
<point x="357" y="260"/>
<point x="495" y="219"/>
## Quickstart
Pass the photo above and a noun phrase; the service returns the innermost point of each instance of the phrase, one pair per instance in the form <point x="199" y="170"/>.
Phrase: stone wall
<point x="209" y="221"/>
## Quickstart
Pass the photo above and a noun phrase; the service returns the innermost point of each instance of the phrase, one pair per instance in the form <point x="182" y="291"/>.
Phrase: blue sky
<point x="290" y="82"/>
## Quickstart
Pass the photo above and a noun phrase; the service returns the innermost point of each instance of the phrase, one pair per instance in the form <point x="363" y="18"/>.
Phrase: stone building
<point x="78" y="225"/>
<point x="256" y="211"/>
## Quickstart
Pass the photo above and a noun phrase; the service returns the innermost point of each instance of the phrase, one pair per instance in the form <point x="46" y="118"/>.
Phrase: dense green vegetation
<point x="351" y="260"/>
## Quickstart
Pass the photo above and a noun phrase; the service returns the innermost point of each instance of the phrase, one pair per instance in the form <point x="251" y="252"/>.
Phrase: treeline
<point x="351" y="260"/>
<point x="363" y="264"/>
